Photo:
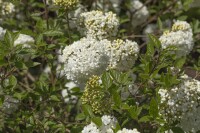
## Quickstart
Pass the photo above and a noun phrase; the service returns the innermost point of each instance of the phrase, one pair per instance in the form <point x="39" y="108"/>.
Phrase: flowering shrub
<point x="100" y="66"/>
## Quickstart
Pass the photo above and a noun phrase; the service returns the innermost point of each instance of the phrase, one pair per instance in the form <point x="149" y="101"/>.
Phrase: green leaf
<point x="106" y="80"/>
<point x="80" y="117"/>
<point x="97" y="121"/>
<point x="3" y="63"/>
<point x="116" y="98"/>
<point x="115" y="75"/>
<point x="153" y="110"/>
<point x="125" y="106"/>
<point x="124" y="78"/>
<point x="160" y="25"/>
<point x="144" y="119"/>
<point x="76" y="129"/>
<point x="12" y="81"/>
<point x="150" y="49"/>
<point x="39" y="39"/>
<point x="88" y="110"/>
<point x="154" y="41"/>
<point x="9" y="39"/>
<point x="2" y="97"/>
<point x="134" y="112"/>
<point x="180" y="62"/>
<point x="117" y="127"/>
<point x="32" y="64"/>
<point x="20" y="65"/>
<point x="177" y="130"/>
<point x="53" y="33"/>
<point x="54" y="98"/>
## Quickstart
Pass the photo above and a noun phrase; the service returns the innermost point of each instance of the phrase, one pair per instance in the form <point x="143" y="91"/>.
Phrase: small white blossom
<point x="67" y="4"/>
<point x="85" y="58"/>
<point x="180" y="99"/>
<point x="124" y="130"/>
<point x="181" y="25"/>
<point x="191" y="121"/>
<point x="122" y="54"/>
<point x="7" y="8"/>
<point x="108" y="124"/>
<point x="91" y="128"/>
<point x="181" y="36"/>
<point x="100" y="25"/>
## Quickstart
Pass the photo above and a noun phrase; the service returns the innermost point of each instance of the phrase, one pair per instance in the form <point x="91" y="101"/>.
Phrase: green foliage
<point x="133" y="101"/>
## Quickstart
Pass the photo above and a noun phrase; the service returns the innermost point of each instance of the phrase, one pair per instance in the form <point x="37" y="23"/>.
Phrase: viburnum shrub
<point x="99" y="66"/>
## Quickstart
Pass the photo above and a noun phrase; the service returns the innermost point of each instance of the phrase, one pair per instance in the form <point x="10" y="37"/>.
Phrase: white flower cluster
<point x="180" y="36"/>
<point x="7" y="8"/>
<point x="179" y="101"/>
<point x="139" y="12"/>
<point x="108" y="124"/>
<point x="124" y="130"/>
<point x="89" y="57"/>
<point x="92" y="55"/>
<point x="26" y="40"/>
<point x="100" y="25"/>
<point x="84" y="58"/>
<point x="123" y="54"/>
<point x="67" y="93"/>
<point x="67" y="4"/>
<point x="191" y="121"/>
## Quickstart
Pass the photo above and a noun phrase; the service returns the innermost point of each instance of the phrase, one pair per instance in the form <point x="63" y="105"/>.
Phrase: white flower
<point x="89" y="57"/>
<point x="191" y="121"/>
<point x="67" y="4"/>
<point x="67" y="93"/>
<point x="139" y="12"/>
<point x="7" y="8"/>
<point x="182" y="26"/>
<point x="91" y="128"/>
<point x="24" y="39"/>
<point x="180" y="99"/>
<point x="180" y="36"/>
<point x="100" y="25"/>
<point x="2" y="33"/>
<point x="124" y="130"/>
<point x="85" y="58"/>
<point x="122" y="54"/>
<point x="108" y="124"/>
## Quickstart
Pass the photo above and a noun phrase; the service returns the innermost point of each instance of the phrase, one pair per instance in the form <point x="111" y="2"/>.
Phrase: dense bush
<point x="100" y="66"/>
